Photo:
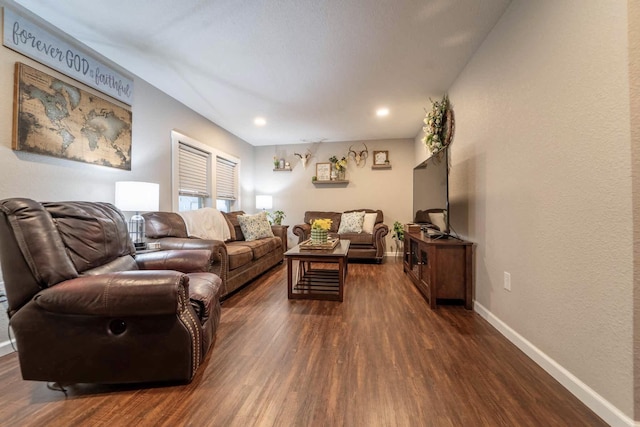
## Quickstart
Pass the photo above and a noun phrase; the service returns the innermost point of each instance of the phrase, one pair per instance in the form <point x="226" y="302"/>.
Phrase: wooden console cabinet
<point x="440" y="268"/>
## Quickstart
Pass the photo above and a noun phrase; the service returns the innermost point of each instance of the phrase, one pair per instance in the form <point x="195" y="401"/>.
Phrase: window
<point x="203" y="175"/>
<point x="225" y="184"/>
<point x="194" y="176"/>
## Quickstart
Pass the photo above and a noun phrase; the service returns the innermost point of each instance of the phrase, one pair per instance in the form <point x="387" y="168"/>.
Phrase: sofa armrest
<point x="184" y="260"/>
<point x="281" y="232"/>
<point x="303" y="232"/>
<point x="219" y="258"/>
<point x="217" y="247"/>
<point x="380" y="230"/>
<point x="127" y="293"/>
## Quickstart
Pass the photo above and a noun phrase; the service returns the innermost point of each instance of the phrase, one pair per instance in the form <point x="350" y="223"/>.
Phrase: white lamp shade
<point x="134" y="196"/>
<point x="264" y="202"/>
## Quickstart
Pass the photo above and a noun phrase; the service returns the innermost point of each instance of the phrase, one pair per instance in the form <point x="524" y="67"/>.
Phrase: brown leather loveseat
<point x="236" y="261"/>
<point x="85" y="308"/>
<point x="365" y="245"/>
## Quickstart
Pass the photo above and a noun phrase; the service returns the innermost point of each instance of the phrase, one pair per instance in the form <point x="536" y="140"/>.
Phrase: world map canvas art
<point x="55" y="118"/>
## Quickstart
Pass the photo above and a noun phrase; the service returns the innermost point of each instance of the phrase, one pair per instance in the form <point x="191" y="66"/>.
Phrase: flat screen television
<point x="431" y="193"/>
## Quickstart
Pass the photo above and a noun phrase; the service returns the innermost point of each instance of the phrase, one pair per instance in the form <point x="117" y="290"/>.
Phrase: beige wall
<point x="154" y="116"/>
<point x="540" y="178"/>
<point x="634" y="80"/>
<point x="541" y="158"/>
<point x="389" y="190"/>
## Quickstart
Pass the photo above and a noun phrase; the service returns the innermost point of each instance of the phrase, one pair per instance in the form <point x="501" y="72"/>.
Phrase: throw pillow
<point x="232" y="229"/>
<point x="437" y="219"/>
<point x="255" y="227"/>
<point x="233" y="219"/>
<point x="369" y="222"/>
<point x="206" y="223"/>
<point x="351" y="222"/>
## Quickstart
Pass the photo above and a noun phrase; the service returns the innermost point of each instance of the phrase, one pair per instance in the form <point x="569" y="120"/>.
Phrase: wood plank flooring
<point x="380" y="358"/>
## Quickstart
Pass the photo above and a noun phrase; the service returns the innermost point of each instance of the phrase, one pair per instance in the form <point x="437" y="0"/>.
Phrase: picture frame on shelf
<point x="323" y="171"/>
<point x="380" y="158"/>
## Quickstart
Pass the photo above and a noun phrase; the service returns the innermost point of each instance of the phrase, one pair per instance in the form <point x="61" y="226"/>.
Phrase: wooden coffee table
<point x="317" y="283"/>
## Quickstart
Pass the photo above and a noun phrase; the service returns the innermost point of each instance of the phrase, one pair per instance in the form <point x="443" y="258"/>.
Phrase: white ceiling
<point x="315" y="69"/>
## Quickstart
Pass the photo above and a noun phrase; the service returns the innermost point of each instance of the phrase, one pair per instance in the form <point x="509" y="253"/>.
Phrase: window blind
<point x="225" y="179"/>
<point x="193" y="171"/>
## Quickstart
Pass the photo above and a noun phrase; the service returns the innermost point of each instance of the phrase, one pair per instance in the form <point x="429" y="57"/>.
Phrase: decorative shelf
<point x="333" y="182"/>
<point x="380" y="166"/>
<point x="282" y="170"/>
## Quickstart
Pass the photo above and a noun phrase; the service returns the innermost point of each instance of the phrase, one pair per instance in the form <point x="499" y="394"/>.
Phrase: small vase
<point x="319" y="236"/>
<point x="341" y="175"/>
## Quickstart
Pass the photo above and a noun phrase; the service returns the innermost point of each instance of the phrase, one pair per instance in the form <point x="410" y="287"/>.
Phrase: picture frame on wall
<point x="380" y="157"/>
<point x="323" y="171"/>
<point x="86" y="128"/>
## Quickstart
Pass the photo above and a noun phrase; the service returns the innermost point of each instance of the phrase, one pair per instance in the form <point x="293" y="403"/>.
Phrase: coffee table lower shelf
<point x="319" y="281"/>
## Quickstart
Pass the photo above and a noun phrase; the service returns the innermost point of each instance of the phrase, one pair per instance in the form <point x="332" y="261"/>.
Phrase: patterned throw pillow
<point x="351" y="222"/>
<point x="255" y="227"/>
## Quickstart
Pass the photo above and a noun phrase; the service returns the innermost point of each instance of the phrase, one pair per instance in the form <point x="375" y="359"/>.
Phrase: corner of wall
<point x="634" y="99"/>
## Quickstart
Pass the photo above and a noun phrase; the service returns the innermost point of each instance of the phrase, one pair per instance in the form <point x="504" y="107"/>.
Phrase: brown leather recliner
<point x="85" y="308"/>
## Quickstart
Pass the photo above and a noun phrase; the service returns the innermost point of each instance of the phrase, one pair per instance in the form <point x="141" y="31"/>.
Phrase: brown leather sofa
<point x="85" y="308"/>
<point x="364" y="246"/>
<point x="236" y="261"/>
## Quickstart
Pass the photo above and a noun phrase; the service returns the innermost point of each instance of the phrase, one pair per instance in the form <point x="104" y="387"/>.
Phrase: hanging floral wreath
<point x="438" y="128"/>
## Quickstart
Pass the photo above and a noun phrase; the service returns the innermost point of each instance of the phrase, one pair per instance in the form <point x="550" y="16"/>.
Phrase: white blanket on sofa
<point x="206" y="223"/>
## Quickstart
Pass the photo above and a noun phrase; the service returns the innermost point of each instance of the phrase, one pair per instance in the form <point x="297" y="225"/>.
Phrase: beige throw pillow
<point x="437" y="219"/>
<point x="369" y="222"/>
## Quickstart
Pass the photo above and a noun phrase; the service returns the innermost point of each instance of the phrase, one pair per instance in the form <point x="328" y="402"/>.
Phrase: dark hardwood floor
<point x="380" y="358"/>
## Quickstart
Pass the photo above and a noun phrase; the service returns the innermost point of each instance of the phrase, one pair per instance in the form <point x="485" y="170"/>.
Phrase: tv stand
<point x="440" y="268"/>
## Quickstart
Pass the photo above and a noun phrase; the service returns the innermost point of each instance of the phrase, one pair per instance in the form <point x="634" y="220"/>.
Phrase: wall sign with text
<point x="27" y="38"/>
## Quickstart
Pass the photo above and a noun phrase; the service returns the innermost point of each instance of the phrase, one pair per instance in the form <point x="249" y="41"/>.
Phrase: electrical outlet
<point x="507" y="281"/>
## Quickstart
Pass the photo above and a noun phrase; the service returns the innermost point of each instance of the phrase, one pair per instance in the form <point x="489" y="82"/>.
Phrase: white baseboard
<point x="393" y="254"/>
<point x="603" y="408"/>
<point x="6" y="348"/>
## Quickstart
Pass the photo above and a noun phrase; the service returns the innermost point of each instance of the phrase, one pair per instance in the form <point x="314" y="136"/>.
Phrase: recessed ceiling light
<point x="260" y="121"/>
<point x="381" y="112"/>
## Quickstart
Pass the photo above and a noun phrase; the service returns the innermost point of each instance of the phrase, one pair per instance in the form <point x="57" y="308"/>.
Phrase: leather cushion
<point x="238" y="255"/>
<point x="233" y="219"/>
<point x="310" y="216"/>
<point x="93" y="233"/>
<point x="264" y="246"/>
<point x="39" y="241"/>
<point x="232" y="229"/>
<point x="358" y="238"/>
<point x="164" y="224"/>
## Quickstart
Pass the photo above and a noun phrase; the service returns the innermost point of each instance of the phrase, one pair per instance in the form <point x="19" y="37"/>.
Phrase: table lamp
<point x="135" y="196"/>
<point x="264" y="202"/>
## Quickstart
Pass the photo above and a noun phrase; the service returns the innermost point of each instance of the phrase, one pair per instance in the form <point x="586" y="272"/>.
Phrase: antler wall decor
<point x="359" y="156"/>
<point x="304" y="158"/>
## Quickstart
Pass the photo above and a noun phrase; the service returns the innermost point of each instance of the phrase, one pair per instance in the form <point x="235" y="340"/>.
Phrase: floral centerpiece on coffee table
<point x="320" y="230"/>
